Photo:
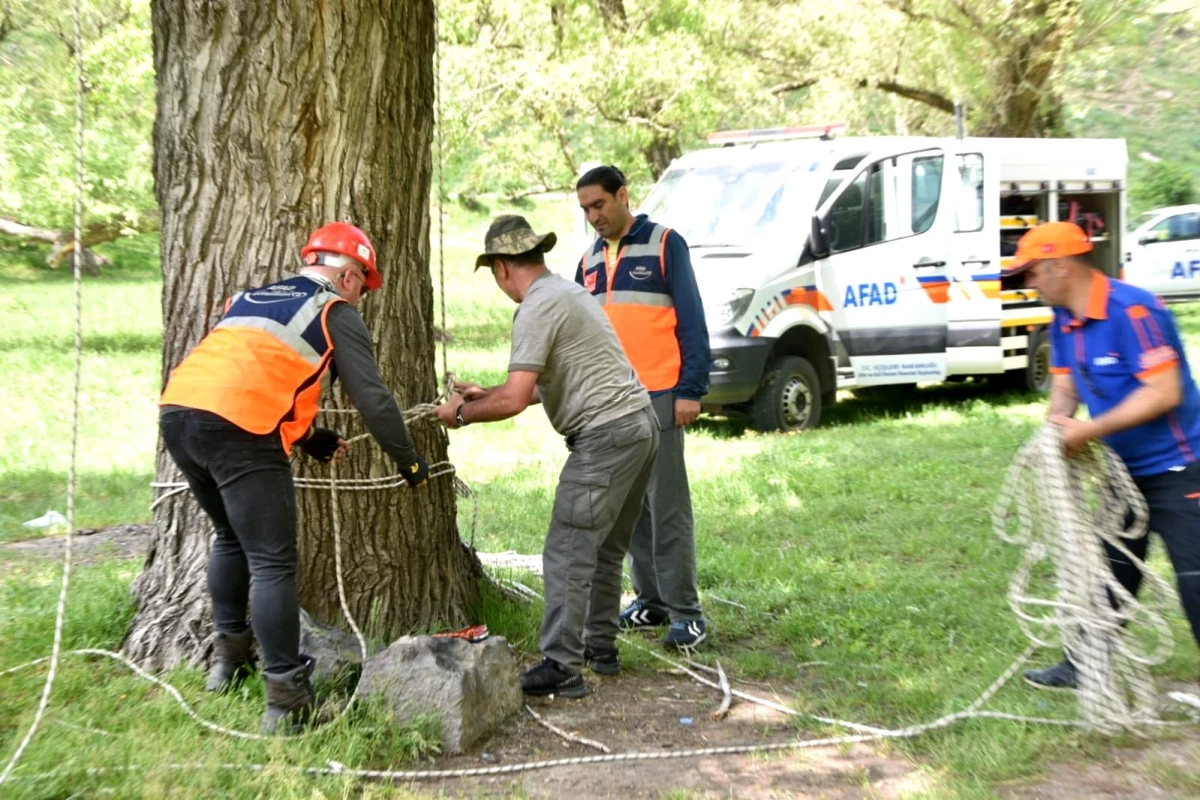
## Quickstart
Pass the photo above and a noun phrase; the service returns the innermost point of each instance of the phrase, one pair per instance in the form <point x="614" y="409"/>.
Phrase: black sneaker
<point x="606" y="662"/>
<point x="1060" y="676"/>
<point x="686" y="633"/>
<point x="550" y="678"/>
<point x="639" y="615"/>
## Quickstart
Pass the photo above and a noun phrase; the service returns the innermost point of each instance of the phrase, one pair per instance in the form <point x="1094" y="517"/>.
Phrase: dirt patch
<point x="88" y="546"/>
<point x="663" y="713"/>
<point x="1167" y="770"/>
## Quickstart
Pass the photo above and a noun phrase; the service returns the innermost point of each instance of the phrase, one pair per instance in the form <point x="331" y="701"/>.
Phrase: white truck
<point x="1164" y="252"/>
<point x="841" y="263"/>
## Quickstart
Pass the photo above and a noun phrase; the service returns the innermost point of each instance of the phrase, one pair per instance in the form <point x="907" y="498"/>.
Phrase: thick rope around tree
<point x="1063" y="511"/>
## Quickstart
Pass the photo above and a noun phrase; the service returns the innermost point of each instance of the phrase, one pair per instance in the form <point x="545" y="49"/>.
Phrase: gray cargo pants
<point x="662" y="553"/>
<point x="597" y="503"/>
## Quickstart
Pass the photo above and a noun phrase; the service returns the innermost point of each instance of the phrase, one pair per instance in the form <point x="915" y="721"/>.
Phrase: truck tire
<point x="1035" y="375"/>
<point x="789" y="398"/>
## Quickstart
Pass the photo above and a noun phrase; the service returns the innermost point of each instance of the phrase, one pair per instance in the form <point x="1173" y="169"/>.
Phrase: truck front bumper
<point x="738" y="363"/>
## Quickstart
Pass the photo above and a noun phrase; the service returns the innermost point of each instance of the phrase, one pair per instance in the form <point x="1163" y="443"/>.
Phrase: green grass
<point x="865" y="546"/>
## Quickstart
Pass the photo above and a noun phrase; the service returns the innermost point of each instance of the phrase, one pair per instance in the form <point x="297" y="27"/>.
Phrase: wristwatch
<point x="458" y="418"/>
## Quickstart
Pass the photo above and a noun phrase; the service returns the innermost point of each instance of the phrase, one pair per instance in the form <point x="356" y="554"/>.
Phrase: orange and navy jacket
<point x="261" y="366"/>
<point x="1126" y="334"/>
<point x="650" y="296"/>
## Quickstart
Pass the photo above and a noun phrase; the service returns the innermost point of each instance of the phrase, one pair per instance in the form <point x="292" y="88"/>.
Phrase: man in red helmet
<point x="230" y="414"/>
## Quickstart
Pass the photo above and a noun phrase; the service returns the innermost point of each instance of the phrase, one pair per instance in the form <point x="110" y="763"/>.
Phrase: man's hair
<point x="530" y="258"/>
<point x="608" y="178"/>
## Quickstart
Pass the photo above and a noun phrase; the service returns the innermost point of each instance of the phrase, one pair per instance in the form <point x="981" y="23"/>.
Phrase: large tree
<point x="268" y="125"/>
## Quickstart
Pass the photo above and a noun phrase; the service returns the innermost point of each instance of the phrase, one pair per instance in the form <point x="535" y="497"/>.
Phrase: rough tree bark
<point x="268" y="125"/>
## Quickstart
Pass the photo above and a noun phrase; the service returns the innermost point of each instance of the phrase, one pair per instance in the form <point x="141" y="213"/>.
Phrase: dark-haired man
<point x="641" y="273"/>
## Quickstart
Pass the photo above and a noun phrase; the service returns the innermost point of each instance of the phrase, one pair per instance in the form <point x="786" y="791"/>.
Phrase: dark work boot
<point x="290" y="699"/>
<point x="605" y="662"/>
<point x="233" y="660"/>
<point x="549" y="677"/>
<point x="1060" y="676"/>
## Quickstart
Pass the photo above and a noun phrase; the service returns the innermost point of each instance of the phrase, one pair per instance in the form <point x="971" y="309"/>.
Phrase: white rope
<point x="56" y="647"/>
<point x="570" y="737"/>
<point x="1063" y="512"/>
<point x="441" y="171"/>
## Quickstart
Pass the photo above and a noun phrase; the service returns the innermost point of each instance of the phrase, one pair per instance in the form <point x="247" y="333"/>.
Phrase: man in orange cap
<point x="1116" y="349"/>
<point x="231" y="412"/>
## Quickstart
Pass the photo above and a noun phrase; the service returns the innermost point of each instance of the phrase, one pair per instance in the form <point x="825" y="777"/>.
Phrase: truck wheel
<point x="1035" y="375"/>
<point x="789" y="398"/>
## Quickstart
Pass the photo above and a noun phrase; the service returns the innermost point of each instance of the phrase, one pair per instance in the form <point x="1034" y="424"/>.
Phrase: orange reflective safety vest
<point x="634" y="293"/>
<point x="261" y="366"/>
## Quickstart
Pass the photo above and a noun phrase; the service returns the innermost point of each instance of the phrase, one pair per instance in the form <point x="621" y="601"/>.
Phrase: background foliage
<point x="533" y="90"/>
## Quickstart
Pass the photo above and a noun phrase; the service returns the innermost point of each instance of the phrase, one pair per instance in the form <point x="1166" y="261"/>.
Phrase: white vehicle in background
<point x="829" y="263"/>
<point x="1164" y="252"/>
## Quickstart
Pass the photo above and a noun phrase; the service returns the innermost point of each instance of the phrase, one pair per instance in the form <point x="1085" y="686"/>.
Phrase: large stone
<point x="469" y="686"/>
<point x="336" y="651"/>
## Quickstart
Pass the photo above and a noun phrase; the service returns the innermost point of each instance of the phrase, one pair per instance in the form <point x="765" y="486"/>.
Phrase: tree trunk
<point x="268" y="126"/>
<point x="660" y="152"/>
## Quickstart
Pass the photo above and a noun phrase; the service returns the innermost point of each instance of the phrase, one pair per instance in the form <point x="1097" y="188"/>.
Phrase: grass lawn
<point x="865" y="545"/>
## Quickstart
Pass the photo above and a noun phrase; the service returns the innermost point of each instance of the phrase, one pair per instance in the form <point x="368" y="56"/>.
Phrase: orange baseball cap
<point x="1049" y="240"/>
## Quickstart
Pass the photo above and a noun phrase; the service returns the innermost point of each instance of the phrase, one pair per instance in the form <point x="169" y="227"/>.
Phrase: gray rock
<point x="470" y="687"/>
<point x="336" y="651"/>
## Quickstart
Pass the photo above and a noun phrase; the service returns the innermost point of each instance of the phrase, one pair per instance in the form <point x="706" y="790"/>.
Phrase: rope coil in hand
<point x="1064" y="511"/>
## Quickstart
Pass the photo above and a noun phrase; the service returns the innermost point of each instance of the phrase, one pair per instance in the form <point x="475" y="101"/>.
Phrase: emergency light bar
<point x="774" y="134"/>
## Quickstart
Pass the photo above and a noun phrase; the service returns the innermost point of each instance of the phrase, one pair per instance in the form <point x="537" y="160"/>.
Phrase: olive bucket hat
<point x="511" y="235"/>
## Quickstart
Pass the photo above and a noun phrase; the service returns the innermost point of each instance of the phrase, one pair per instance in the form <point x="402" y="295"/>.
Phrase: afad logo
<point x="870" y="294"/>
<point x="1180" y="271"/>
<point x="589" y="280"/>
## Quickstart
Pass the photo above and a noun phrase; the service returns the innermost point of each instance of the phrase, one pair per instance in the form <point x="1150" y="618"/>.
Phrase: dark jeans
<point x="243" y="481"/>
<point x="1174" y="502"/>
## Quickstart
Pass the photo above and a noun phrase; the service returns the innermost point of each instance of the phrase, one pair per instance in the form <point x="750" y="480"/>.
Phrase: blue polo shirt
<point x="1127" y="334"/>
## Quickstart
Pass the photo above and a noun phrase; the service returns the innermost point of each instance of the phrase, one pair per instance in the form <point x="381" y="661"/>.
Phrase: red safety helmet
<point x="347" y="240"/>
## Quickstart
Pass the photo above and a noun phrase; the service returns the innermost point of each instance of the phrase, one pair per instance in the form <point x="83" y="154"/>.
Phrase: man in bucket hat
<point x="566" y="356"/>
<point x="1116" y="348"/>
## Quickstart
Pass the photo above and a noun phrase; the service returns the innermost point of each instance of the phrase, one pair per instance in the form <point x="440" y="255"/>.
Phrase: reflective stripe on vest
<point x="638" y="303"/>
<point x="261" y="366"/>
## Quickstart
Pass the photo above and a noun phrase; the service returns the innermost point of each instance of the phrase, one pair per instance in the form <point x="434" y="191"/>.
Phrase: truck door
<point x="973" y="308"/>
<point x="886" y="272"/>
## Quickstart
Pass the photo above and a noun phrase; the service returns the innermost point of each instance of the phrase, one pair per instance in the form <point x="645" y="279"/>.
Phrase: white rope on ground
<point x="570" y="737"/>
<point x="1065" y="511"/>
<point x="77" y="259"/>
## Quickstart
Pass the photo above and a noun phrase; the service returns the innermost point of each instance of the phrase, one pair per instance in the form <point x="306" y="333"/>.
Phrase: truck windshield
<point x="1142" y="219"/>
<point x="728" y="205"/>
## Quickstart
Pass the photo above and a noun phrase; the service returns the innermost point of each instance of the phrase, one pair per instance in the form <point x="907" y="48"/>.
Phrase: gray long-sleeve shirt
<point x="354" y="364"/>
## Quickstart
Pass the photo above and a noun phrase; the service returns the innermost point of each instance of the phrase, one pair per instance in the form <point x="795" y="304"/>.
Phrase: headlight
<point x="722" y="315"/>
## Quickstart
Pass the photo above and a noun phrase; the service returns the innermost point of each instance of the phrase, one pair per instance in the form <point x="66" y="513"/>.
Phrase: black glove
<point x="321" y="444"/>
<point x="415" y="473"/>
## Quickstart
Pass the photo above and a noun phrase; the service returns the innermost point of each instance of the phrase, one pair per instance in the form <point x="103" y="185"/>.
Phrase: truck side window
<point x="968" y="211"/>
<point x="877" y="197"/>
<point x="1183" y="226"/>
<point x="926" y="191"/>
<point x="845" y="217"/>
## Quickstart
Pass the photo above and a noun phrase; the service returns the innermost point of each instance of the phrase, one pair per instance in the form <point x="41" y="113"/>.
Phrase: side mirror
<point x="1148" y="239"/>
<point x="818" y="241"/>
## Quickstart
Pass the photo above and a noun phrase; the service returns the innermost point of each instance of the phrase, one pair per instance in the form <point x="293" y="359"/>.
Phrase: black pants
<point x="1174" y="502"/>
<point x="243" y="481"/>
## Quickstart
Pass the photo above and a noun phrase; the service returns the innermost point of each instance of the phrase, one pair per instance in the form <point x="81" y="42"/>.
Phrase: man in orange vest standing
<point x="229" y="416"/>
<point x="641" y="273"/>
